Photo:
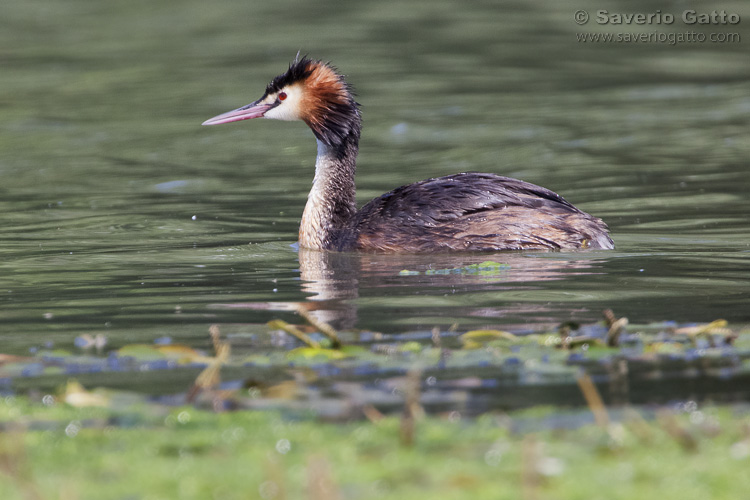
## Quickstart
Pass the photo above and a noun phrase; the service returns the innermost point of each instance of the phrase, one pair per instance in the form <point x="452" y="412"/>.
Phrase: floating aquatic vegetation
<point x="179" y="353"/>
<point x="476" y="371"/>
<point x="708" y="331"/>
<point x="486" y="268"/>
<point x="478" y="335"/>
<point x="76" y="395"/>
<point x="315" y="353"/>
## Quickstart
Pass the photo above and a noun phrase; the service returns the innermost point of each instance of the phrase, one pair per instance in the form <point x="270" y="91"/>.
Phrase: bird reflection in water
<point x="336" y="280"/>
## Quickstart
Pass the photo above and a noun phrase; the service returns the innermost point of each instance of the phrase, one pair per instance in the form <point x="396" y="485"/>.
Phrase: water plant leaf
<point x="580" y="340"/>
<point x="182" y="353"/>
<point x="486" y="268"/>
<point x="411" y="346"/>
<point x="718" y="326"/>
<point x="406" y="272"/>
<point x="475" y="339"/>
<point x="312" y="353"/>
<point x="141" y="352"/>
<point x="664" y="348"/>
<point x="147" y="352"/>
<point x="75" y="395"/>
<point x="353" y="350"/>
<point x="287" y="389"/>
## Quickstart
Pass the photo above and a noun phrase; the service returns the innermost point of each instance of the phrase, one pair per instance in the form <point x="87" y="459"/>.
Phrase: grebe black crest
<point x="461" y="212"/>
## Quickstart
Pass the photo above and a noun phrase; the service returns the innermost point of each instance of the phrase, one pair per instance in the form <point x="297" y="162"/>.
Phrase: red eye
<point x="282" y="96"/>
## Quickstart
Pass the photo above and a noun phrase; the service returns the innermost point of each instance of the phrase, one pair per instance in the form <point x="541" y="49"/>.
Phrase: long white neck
<point x="331" y="201"/>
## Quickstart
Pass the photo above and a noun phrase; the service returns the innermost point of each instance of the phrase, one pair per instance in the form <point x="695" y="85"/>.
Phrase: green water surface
<point x="120" y="214"/>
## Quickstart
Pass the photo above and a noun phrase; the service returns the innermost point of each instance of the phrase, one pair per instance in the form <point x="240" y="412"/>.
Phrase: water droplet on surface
<point x="268" y="490"/>
<point x="492" y="457"/>
<point x="697" y="417"/>
<point x="283" y="446"/>
<point x="72" y="429"/>
<point x="740" y="450"/>
<point x="399" y="128"/>
<point x="550" y="466"/>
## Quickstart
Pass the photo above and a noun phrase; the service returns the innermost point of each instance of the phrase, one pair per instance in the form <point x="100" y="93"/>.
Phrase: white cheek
<point x="288" y="110"/>
<point x="281" y="112"/>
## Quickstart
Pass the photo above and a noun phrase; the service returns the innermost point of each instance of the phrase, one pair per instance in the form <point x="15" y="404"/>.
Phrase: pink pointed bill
<point x="252" y="110"/>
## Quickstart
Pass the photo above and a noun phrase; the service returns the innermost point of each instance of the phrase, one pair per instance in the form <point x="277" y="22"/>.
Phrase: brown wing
<point x="472" y="212"/>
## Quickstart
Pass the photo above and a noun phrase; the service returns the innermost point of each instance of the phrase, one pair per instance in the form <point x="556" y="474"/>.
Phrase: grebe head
<point x="311" y="91"/>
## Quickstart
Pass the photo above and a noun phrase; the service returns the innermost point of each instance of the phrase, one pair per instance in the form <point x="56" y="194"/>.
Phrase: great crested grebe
<point x="461" y="212"/>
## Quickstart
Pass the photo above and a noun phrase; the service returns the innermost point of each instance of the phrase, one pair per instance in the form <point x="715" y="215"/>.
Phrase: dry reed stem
<point x="322" y="327"/>
<point x="14" y="463"/>
<point x="594" y="400"/>
<point x="530" y="479"/>
<point x="616" y="327"/>
<point x="638" y="426"/>
<point x="210" y="377"/>
<point x="412" y="408"/>
<point x="436" y="341"/>
<point x="275" y="480"/>
<point x="320" y="483"/>
<point x="677" y="432"/>
<point x="293" y="330"/>
<point x="372" y="414"/>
